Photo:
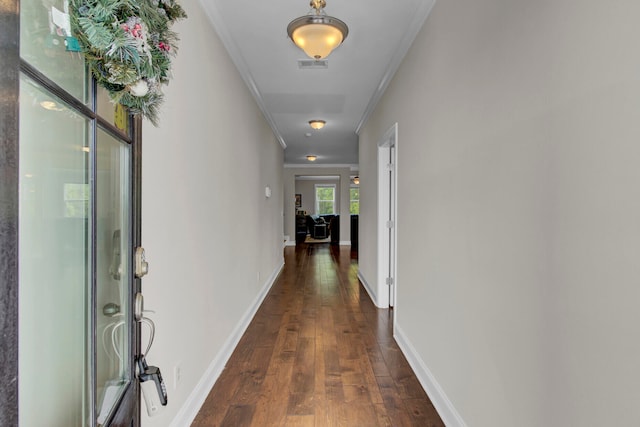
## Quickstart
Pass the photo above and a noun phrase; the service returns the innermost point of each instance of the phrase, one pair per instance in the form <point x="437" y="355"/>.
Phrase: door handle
<point x="138" y="307"/>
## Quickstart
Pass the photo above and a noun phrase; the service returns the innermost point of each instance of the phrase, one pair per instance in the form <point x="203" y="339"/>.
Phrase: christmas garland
<point x="128" y="46"/>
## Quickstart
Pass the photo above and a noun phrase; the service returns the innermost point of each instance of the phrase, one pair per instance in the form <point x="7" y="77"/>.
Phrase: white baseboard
<point x="368" y="288"/>
<point x="290" y="243"/>
<point x="345" y="243"/>
<point x="192" y="405"/>
<point x="441" y="402"/>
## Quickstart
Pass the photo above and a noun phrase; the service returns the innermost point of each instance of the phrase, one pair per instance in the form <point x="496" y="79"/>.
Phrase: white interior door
<point x="391" y="224"/>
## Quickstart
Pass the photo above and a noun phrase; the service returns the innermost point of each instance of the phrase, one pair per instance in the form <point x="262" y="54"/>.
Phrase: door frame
<point x="387" y="211"/>
<point x="9" y="197"/>
<point x="10" y="73"/>
<point x="131" y="398"/>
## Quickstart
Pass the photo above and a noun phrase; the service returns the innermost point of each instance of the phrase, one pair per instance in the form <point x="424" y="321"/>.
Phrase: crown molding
<point x="419" y="18"/>
<point x="232" y="49"/>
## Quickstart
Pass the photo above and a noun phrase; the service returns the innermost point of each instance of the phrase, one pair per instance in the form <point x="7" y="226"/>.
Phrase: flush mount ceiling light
<point x="50" y="105"/>
<point x="317" y="33"/>
<point x="317" y="124"/>
<point x="311" y="158"/>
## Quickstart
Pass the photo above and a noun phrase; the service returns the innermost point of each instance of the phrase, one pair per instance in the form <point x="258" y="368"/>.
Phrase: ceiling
<point x="343" y="94"/>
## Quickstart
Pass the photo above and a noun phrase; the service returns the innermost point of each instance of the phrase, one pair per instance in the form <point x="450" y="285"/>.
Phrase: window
<point x="354" y="206"/>
<point x="325" y="199"/>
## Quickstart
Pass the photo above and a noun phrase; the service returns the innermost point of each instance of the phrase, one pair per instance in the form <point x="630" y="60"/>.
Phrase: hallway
<point x="318" y="353"/>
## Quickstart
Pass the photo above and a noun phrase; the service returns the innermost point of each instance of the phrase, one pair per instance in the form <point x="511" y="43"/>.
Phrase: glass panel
<point x="115" y="114"/>
<point x="325" y="208"/>
<point x="54" y="255"/>
<point x="354" y="207"/>
<point x="113" y="230"/>
<point x="325" y="200"/>
<point x="43" y="44"/>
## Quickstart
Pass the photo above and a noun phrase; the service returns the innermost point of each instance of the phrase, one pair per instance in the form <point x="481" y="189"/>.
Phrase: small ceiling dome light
<point x="311" y="158"/>
<point x="50" y="105"/>
<point x="356" y="180"/>
<point x="317" y="124"/>
<point x="317" y="34"/>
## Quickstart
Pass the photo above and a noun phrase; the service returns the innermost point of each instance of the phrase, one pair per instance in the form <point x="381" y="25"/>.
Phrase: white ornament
<point x="139" y="88"/>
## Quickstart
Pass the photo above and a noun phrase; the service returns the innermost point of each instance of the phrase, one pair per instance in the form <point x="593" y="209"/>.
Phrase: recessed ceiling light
<point x="312" y="158"/>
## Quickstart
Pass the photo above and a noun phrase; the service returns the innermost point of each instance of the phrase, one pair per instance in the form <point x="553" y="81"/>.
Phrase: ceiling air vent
<point x="313" y="64"/>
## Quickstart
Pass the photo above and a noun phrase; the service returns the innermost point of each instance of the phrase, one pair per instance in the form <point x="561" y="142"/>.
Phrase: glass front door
<point x="76" y="283"/>
<point x="77" y="334"/>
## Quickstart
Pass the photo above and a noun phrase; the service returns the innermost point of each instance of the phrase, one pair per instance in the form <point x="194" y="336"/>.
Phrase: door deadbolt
<point x="142" y="266"/>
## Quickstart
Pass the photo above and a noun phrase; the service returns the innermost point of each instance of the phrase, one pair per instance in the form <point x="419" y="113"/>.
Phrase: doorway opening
<point x="387" y="227"/>
<point x="317" y="208"/>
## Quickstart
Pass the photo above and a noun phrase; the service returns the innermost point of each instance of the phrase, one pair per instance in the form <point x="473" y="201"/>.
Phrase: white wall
<point x="212" y="238"/>
<point x="518" y="207"/>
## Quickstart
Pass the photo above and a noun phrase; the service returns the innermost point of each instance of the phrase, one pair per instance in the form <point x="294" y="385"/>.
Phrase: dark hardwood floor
<point x="318" y="353"/>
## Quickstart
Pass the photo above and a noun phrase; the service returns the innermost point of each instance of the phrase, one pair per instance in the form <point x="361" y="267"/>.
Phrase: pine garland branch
<point x="128" y="46"/>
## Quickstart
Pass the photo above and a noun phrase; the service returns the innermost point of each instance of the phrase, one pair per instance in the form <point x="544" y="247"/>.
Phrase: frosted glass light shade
<point x="317" y="35"/>
<point x="317" y="40"/>
<point x="317" y="124"/>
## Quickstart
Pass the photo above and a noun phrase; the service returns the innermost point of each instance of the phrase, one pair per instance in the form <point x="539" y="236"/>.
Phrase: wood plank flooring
<point x="318" y="353"/>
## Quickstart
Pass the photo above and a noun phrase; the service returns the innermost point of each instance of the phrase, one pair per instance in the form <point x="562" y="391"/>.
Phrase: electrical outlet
<point x="177" y="375"/>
